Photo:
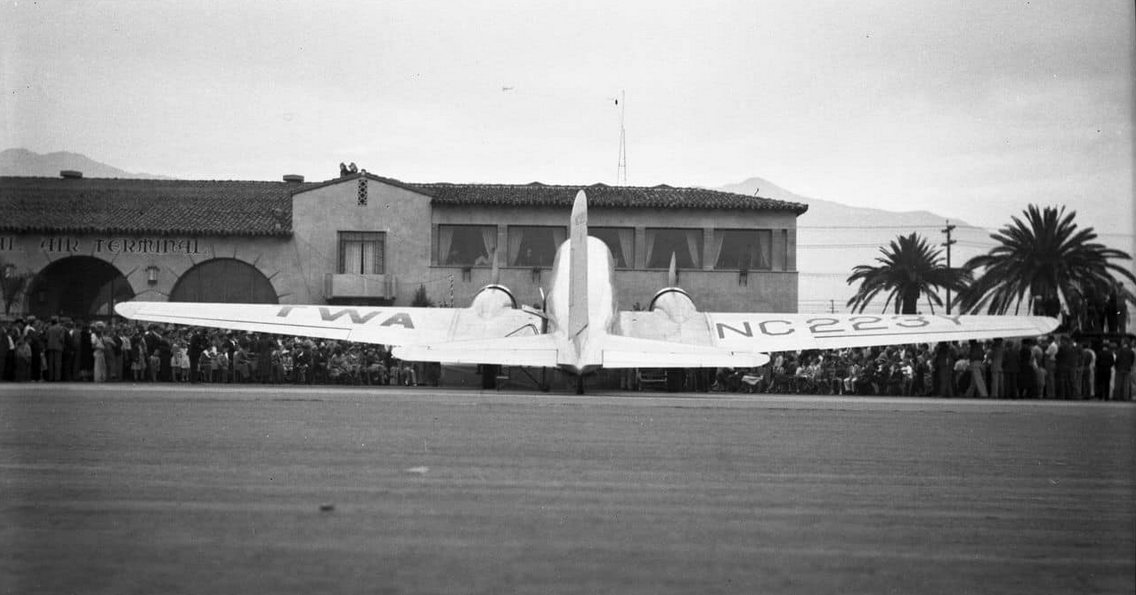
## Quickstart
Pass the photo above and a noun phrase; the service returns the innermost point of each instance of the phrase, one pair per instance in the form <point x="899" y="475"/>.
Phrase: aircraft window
<point x="361" y="252"/>
<point x="685" y="244"/>
<point x="534" y="246"/>
<point x="466" y="245"/>
<point x="742" y="249"/>
<point x="621" y="242"/>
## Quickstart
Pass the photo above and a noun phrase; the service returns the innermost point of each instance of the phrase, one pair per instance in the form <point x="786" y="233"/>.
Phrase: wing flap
<point x="632" y="352"/>
<point x="532" y="350"/>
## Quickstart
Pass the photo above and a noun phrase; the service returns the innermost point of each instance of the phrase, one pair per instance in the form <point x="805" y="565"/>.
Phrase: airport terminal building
<point x="361" y="239"/>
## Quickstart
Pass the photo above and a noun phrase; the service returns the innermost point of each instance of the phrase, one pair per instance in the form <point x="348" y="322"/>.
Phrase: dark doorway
<point x="81" y="287"/>
<point x="225" y="280"/>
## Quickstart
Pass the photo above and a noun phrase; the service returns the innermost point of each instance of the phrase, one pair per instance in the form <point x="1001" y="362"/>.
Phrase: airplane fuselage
<point x="581" y="347"/>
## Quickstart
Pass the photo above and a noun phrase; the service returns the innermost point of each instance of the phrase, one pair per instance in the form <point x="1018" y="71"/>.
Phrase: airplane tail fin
<point x="578" y="267"/>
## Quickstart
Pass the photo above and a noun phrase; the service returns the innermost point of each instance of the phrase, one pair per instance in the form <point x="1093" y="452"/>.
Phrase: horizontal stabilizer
<point x="631" y="352"/>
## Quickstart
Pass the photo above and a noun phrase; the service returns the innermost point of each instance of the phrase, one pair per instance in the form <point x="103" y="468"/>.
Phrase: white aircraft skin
<point x="582" y="329"/>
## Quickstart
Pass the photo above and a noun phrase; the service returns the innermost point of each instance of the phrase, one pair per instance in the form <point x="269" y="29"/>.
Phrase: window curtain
<point x="377" y="265"/>
<point x="650" y="246"/>
<point x="716" y="249"/>
<point x="692" y="241"/>
<point x="627" y="246"/>
<point x="489" y="240"/>
<point x="367" y="256"/>
<point x="352" y="256"/>
<point x="516" y="236"/>
<point x="559" y="235"/>
<point x="445" y="240"/>
<point x="764" y="250"/>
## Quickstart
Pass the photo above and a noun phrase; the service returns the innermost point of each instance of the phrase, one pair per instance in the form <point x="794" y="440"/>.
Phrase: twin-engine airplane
<point x="582" y="329"/>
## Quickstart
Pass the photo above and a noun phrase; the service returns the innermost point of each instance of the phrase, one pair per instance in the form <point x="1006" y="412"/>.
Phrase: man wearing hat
<point x="56" y="339"/>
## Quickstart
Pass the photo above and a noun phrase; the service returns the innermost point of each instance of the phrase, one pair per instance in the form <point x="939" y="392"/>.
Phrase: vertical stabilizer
<point x="578" y="268"/>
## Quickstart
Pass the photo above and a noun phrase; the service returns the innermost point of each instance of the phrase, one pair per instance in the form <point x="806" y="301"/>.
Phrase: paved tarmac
<point x="144" y="489"/>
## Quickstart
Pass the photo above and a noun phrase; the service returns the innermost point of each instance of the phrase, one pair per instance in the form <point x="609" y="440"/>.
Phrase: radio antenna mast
<point x="621" y="170"/>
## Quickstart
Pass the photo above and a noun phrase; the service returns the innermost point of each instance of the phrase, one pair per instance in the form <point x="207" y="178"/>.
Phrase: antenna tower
<point x="621" y="170"/>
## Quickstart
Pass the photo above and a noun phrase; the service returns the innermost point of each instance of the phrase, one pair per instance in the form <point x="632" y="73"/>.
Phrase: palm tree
<point x="1046" y="258"/>
<point x="908" y="268"/>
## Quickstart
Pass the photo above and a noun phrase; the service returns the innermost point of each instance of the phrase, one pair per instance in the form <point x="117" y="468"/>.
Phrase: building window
<point x="534" y="246"/>
<point x="685" y="244"/>
<point x="362" y="192"/>
<point x="361" y="252"/>
<point x="742" y="249"/>
<point x="621" y="242"/>
<point x="466" y="245"/>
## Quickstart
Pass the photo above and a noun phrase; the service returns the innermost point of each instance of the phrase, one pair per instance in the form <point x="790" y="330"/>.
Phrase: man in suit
<point x="56" y="340"/>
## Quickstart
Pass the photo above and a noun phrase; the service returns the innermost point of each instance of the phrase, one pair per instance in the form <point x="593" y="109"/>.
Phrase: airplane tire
<point x="675" y="380"/>
<point x="489" y="376"/>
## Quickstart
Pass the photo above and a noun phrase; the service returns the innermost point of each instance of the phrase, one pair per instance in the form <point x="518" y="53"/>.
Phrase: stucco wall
<point x="296" y="266"/>
<point x="403" y="215"/>
<point x="772" y="291"/>
<point x="172" y="255"/>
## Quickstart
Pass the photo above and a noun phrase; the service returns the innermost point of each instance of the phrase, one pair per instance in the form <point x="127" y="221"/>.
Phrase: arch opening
<point x="225" y="280"/>
<point x="80" y="287"/>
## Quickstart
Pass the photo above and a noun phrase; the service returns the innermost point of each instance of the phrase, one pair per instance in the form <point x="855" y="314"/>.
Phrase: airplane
<point x="580" y="328"/>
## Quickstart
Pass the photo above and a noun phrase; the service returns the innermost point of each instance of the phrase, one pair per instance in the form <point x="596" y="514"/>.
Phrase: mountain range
<point x="22" y="162"/>
<point x="832" y="237"/>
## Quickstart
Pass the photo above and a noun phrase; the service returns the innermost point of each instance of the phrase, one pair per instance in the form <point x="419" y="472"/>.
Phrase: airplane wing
<point x="790" y="332"/>
<point x="527" y="350"/>
<point x="385" y="325"/>
<point x="631" y="352"/>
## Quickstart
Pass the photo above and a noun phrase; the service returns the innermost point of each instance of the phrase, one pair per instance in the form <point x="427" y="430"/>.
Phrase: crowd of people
<point x="1049" y="367"/>
<point x="62" y="350"/>
<point x="1052" y="367"/>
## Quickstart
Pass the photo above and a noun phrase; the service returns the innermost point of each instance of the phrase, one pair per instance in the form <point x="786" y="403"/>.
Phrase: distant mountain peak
<point x="22" y="162"/>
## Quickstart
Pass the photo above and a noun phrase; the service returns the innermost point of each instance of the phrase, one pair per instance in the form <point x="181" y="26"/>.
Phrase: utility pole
<point x="832" y="306"/>
<point x="948" y="244"/>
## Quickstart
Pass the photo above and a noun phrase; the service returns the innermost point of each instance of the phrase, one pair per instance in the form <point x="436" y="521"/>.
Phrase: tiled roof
<point x="207" y="207"/>
<point x="190" y="207"/>
<point x="601" y="195"/>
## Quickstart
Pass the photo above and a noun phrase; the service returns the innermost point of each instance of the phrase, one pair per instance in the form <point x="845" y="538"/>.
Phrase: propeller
<point x="542" y="312"/>
<point x="672" y="274"/>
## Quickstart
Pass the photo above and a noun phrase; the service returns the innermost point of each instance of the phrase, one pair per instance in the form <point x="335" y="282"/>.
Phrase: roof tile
<point x="211" y="207"/>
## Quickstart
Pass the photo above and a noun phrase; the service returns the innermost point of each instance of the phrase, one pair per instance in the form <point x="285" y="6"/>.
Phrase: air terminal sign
<point x="108" y="245"/>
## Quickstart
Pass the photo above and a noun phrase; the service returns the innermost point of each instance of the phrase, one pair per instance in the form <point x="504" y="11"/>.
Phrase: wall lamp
<point x="152" y="274"/>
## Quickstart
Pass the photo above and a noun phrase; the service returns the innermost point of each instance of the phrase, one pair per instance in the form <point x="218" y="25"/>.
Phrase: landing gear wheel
<point x="489" y="376"/>
<point x="579" y="385"/>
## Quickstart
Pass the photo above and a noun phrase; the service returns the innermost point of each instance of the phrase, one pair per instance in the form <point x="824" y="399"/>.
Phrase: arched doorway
<point x="225" y="280"/>
<point x="81" y="287"/>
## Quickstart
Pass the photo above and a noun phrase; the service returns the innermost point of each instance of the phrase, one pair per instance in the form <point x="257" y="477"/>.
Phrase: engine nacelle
<point x="491" y="299"/>
<point x="675" y="303"/>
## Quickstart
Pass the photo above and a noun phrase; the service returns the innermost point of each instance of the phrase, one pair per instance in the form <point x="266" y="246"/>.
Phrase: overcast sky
<point x="971" y="109"/>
